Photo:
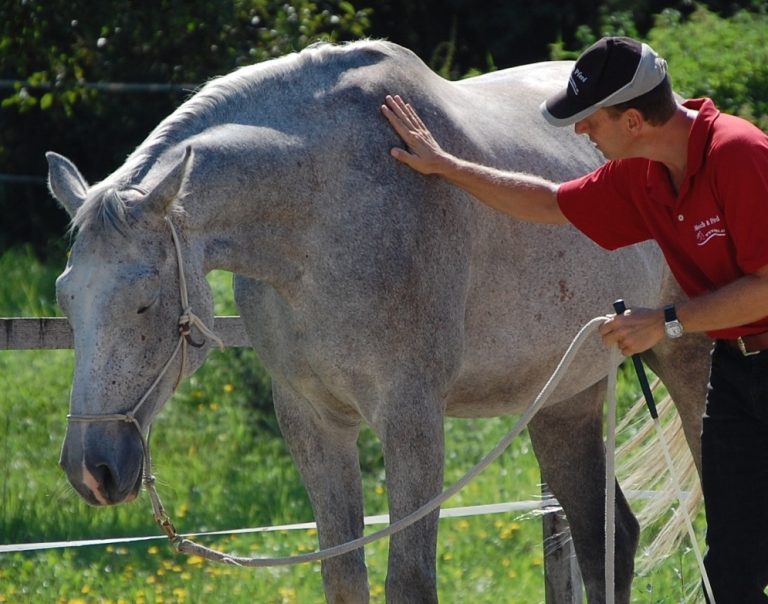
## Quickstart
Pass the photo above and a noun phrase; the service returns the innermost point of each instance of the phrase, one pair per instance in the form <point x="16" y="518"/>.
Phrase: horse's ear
<point x="66" y="183"/>
<point x="159" y="199"/>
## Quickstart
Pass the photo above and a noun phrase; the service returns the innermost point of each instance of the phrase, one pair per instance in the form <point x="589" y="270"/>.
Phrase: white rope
<point x="610" y="482"/>
<point x="189" y="547"/>
<point x="544" y="505"/>
<point x="681" y="497"/>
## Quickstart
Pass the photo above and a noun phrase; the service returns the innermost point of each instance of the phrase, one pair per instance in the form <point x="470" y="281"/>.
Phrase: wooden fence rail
<point x="561" y="571"/>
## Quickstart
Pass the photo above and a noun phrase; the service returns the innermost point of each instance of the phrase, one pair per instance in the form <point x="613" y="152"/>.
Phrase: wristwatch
<point x="672" y="325"/>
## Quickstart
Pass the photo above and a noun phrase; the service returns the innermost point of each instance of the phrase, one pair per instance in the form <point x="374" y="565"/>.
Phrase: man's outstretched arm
<point x="523" y="196"/>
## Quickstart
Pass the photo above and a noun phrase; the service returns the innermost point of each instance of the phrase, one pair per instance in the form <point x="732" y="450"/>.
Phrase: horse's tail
<point x="644" y="476"/>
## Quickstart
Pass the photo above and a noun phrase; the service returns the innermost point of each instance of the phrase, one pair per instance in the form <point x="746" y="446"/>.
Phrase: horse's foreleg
<point x="325" y="452"/>
<point x="411" y="432"/>
<point x="567" y="439"/>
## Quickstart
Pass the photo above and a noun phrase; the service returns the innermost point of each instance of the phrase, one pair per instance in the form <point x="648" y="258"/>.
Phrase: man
<point x="696" y="181"/>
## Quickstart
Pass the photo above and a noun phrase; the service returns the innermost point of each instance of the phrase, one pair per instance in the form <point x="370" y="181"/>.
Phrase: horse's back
<point x="424" y="267"/>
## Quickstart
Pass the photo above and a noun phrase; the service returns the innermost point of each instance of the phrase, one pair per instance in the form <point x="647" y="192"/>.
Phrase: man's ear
<point x="633" y="120"/>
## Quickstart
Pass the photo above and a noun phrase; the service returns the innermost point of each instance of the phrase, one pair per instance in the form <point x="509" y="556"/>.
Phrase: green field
<point x="221" y="464"/>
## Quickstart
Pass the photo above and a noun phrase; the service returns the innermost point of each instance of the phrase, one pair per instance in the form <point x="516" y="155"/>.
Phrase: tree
<point x="725" y="59"/>
<point x="60" y="50"/>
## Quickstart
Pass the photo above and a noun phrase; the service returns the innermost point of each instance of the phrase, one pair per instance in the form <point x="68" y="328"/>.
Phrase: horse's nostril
<point x="106" y="478"/>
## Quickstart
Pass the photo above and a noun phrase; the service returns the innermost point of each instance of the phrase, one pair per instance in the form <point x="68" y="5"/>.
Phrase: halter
<point x="186" y="320"/>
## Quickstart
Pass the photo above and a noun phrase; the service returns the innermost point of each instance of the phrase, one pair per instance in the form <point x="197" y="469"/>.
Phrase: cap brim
<point x="563" y="110"/>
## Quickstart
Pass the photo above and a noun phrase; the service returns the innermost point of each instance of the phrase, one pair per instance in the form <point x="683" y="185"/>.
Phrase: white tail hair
<point x="643" y="470"/>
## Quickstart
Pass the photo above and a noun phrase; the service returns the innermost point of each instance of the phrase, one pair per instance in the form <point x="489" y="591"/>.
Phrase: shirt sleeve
<point x="601" y="206"/>
<point x="741" y="182"/>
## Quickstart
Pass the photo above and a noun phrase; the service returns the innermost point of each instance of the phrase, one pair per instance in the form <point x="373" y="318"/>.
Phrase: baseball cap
<point x="611" y="71"/>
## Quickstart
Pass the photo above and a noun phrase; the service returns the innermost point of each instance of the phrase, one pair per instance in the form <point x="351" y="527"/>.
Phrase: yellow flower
<point x="86" y="589"/>
<point x="152" y="550"/>
<point x="195" y="560"/>
<point x="228" y="388"/>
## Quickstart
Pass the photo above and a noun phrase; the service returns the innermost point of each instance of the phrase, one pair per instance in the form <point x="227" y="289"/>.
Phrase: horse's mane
<point x="106" y="206"/>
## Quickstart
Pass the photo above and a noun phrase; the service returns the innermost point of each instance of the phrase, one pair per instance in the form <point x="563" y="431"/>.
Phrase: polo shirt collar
<point x="698" y="141"/>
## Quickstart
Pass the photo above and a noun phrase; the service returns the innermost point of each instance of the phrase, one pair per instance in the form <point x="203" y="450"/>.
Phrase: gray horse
<point x="371" y="294"/>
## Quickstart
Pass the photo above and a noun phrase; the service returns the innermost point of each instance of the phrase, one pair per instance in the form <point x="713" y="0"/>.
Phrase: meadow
<point x="221" y="464"/>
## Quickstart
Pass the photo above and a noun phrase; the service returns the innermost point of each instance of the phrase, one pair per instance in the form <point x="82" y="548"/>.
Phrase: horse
<point x="371" y="294"/>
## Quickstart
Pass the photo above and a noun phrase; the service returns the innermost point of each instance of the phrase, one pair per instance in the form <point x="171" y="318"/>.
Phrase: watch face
<point x="674" y="329"/>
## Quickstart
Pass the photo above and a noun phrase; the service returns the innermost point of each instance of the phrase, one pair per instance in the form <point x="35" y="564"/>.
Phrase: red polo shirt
<point x="713" y="231"/>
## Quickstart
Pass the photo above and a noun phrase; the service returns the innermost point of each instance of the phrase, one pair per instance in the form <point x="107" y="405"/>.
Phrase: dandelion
<point x="85" y="590"/>
<point x="214" y="406"/>
<point x="379" y="490"/>
<point x="153" y="550"/>
<point x="463" y="525"/>
<point x="195" y="560"/>
<point x="151" y="579"/>
<point x="228" y="388"/>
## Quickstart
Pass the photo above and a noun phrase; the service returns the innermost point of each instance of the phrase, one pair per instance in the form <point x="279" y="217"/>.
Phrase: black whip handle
<point x="620" y="309"/>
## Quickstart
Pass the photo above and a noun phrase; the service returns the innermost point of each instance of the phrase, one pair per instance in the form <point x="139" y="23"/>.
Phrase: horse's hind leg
<point x="325" y="452"/>
<point x="568" y="442"/>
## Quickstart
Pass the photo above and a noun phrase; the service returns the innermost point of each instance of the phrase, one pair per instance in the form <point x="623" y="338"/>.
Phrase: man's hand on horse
<point x="424" y="154"/>
<point x="635" y="331"/>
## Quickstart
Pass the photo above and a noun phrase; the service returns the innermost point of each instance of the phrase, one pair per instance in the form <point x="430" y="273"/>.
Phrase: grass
<point x="221" y="464"/>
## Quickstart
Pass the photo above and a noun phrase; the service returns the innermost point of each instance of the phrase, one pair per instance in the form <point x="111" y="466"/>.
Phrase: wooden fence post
<point x="562" y="576"/>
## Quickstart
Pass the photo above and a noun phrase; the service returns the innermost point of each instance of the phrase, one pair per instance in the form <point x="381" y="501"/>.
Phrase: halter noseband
<point x="186" y="320"/>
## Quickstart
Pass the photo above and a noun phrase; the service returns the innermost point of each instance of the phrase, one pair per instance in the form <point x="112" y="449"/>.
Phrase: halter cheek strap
<point x="187" y="319"/>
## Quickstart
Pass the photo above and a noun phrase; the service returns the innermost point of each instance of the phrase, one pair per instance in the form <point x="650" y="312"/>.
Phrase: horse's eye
<point x="145" y="308"/>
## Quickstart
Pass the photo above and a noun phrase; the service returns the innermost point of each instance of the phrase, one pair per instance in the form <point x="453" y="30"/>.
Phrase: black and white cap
<point x="611" y="71"/>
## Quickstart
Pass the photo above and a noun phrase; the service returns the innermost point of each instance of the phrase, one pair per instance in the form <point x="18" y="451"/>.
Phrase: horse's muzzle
<point x="103" y="462"/>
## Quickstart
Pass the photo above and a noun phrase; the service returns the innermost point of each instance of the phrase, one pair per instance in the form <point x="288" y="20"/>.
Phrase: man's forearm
<point x="523" y="196"/>
<point x="739" y="303"/>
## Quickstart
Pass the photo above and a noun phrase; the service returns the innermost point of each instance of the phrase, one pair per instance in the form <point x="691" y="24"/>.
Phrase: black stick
<point x="620" y="309"/>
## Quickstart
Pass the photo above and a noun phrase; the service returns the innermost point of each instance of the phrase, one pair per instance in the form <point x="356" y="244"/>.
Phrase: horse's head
<point x="122" y="294"/>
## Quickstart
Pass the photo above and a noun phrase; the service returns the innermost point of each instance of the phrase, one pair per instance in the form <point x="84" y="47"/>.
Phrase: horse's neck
<point x="247" y="204"/>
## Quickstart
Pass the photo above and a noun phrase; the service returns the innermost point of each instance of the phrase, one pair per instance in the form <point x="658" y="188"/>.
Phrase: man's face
<point x="606" y="132"/>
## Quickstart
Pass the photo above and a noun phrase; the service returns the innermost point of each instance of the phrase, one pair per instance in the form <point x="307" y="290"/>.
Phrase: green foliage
<point x="27" y="285"/>
<point x="60" y="52"/>
<point x="725" y="59"/>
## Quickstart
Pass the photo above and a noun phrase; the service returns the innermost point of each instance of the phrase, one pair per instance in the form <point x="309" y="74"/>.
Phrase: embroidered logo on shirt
<point x="707" y="230"/>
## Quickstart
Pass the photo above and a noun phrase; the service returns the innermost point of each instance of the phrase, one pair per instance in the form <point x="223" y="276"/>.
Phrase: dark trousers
<point x="735" y="476"/>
